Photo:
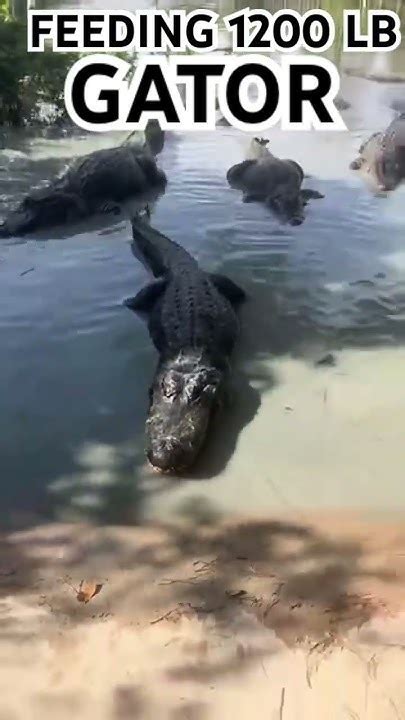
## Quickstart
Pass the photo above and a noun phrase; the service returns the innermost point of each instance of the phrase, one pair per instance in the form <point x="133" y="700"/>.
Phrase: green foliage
<point x="31" y="84"/>
<point x="28" y="80"/>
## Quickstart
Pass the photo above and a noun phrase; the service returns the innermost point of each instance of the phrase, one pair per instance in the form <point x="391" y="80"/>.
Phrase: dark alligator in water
<point x="96" y="183"/>
<point x="341" y="104"/>
<point x="263" y="177"/>
<point x="193" y="324"/>
<point x="382" y="157"/>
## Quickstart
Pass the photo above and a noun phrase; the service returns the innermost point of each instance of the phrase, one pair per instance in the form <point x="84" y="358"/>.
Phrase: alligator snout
<point x="169" y="455"/>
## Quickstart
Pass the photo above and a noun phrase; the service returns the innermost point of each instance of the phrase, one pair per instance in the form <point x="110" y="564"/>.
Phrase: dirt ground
<point x="274" y="618"/>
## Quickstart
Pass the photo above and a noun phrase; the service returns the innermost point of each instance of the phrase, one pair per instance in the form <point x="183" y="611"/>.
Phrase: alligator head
<point x="21" y="220"/>
<point x="258" y="149"/>
<point x="154" y="137"/>
<point x="184" y="395"/>
<point x="287" y="201"/>
<point x="381" y="158"/>
<point x="44" y="208"/>
<point x="387" y="168"/>
<point x="289" y="208"/>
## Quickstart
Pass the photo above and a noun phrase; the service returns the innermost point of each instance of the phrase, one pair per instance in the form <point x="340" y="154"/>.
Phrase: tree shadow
<point x="262" y="585"/>
<point x="189" y="711"/>
<point x="128" y="702"/>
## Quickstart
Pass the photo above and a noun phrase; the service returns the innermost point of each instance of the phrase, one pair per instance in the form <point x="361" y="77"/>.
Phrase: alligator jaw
<point x="169" y="471"/>
<point x="184" y="395"/>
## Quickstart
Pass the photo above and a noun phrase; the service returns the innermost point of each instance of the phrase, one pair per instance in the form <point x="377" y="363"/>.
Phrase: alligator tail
<point x="158" y="252"/>
<point x="4" y="231"/>
<point x="154" y="137"/>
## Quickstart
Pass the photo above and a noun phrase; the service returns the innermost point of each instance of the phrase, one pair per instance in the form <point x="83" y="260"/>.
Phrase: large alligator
<point x="96" y="183"/>
<point x="193" y="324"/>
<point x="263" y="177"/>
<point x="382" y="157"/>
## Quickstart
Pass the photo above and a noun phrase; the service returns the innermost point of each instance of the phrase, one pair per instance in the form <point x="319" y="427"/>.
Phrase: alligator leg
<point x="146" y="298"/>
<point x="110" y="209"/>
<point x="235" y="173"/>
<point x="307" y="194"/>
<point x="228" y="288"/>
<point x="253" y="197"/>
<point x="356" y="163"/>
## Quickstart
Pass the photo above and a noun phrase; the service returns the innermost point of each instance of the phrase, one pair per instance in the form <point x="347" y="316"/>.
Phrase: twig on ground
<point x="162" y="617"/>
<point x="282" y="703"/>
<point x="264" y="669"/>
<point x="234" y="595"/>
<point x="197" y="609"/>
<point x="262" y="575"/>
<point x="395" y="709"/>
<point x="270" y="606"/>
<point x="172" y="581"/>
<point x="25" y="272"/>
<point x="205" y="565"/>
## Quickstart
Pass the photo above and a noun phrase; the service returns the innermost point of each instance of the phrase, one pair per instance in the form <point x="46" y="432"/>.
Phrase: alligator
<point x="382" y="156"/>
<point x="341" y="104"/>
<point x="95" y="183"/>
<point x="263" y="177"/>
<point x="193" y="323"/>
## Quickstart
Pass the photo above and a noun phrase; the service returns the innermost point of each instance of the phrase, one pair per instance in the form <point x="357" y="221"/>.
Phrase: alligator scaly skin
<point x="191" y="312"/>
<point x="193" y="324"/>
<point x="97" y="182"/>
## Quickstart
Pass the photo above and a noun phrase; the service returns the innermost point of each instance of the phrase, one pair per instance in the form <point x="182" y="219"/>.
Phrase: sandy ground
<point x="321" y="437"/>
<point x="278" y="612"/>
<point x="270" y="618"/>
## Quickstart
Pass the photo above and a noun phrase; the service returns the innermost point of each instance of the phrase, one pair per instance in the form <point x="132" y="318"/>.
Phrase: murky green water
<point x="75" y="365"/>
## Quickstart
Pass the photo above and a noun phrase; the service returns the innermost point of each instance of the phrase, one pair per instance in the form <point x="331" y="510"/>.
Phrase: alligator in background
<point x="382" y="157"/>
<point x="263" y="177"/>
<point x="193" y="324"/>
<point x="96" y="183"/>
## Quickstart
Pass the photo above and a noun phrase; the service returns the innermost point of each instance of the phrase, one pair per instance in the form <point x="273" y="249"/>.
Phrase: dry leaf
<point x="88" y="590"/>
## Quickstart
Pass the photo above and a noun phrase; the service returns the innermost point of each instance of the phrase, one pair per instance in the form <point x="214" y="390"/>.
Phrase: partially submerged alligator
<point x="95" y="183"/>
<point x="193" y="324"/>
<point x="263" y="177"/>
<point x="382" y="156"/>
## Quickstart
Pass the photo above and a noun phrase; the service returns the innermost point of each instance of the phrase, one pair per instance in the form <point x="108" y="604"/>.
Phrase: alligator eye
<point x="211" y="390"/>
<point x="169" y="389"/>
<point x="169" y="386"/>
<point x="192" y="392"/>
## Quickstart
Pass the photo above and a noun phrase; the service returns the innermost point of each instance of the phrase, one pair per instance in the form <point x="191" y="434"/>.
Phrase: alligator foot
<point x="308" y="194"/>
<point x="253" y="198"/>
<point x="228" y="288"/>
<point x="296" y="220"/>
<point x="111" y="209"/>
<point x="356" y="164"/>
<point x="146" y="297"/>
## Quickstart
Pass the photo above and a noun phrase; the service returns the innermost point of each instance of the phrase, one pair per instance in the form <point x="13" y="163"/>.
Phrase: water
<point x="75" y="365"/>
